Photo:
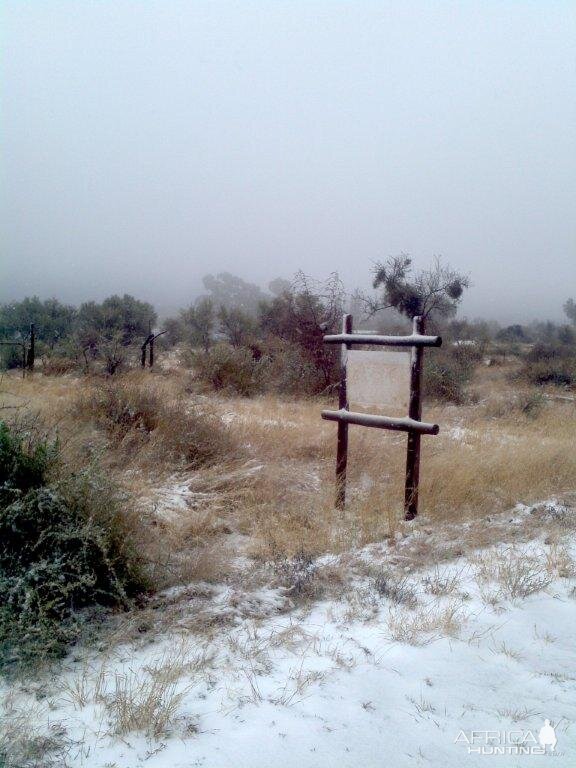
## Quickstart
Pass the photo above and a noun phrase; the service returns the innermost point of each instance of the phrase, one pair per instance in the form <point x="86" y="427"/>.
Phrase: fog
<point x="147" y="143"/>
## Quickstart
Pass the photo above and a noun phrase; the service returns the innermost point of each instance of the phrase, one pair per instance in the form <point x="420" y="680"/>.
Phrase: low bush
<point x="65" y="545"/>
<point x="287" y="370"/>
<point x="143" y="418"/>
<point x="25" y="459"/>
<point x="272" y="365"/>
<point x="448" y="371"/>
<point x="550" y="364"/>
<point x="228" y="369"/>
<point x="10" y="356"/>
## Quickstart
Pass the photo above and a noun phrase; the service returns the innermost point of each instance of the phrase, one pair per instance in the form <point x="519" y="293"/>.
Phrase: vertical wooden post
<point x="342" y="444"/>
<point x="414" y="412"/>
<point x="32" y="350"/>
<point x="143" y="354"/>
<point x="150" y="341"/>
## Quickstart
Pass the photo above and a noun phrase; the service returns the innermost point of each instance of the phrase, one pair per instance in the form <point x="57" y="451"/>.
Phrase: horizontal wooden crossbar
<point x="401" y="424"/>
<point x="413" y="340"/>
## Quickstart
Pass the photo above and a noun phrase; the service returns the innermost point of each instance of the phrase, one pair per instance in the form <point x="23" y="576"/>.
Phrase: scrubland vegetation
<point x="130" y="498"/>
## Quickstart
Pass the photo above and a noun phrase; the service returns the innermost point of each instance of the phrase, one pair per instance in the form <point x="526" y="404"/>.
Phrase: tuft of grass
<point x="424" y="625"/>
<point x="143" y="418"/>
<point x="26" y="744"/>
<point x="398" y="590"/>
<point x="146" y="704"/>
<point x="442" y="582"/>
<point x="149" y="700"/>
<point x="298" y="575"/>
<point x="559" y="561"/>
<point x="518" y="573"/>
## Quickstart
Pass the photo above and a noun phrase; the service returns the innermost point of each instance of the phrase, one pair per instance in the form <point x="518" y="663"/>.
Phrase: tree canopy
<point x="434" y="292"/>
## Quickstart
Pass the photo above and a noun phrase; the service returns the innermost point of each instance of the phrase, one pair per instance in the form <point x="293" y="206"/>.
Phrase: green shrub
<point x="448" y="371"/>
<point x="10" y="356"/>
<point x="24" y="460"/>
<point x="285" y="369"/>
<point x="65" y="545"/>
<point x="274" y="365"/>
<point x="550" y="364"/>
<point x="228" y="369"/>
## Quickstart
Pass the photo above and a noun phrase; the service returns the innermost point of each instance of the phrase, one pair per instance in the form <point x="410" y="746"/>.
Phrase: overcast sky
<point x="146" y="143"/>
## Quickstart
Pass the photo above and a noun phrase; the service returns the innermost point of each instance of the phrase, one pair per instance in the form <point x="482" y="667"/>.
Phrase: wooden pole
<point x="143" y="349"/>
<point x="32" y="350"/>
<point x="152" y="351"/>
<point x="396" y="424"/>
<point x="342" y="444"/>
<point x="414" y="412"/>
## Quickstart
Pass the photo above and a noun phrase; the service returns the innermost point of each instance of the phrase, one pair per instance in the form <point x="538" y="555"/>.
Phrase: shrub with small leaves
<point x="63" y="548"/>
<point x="550" y="364"/>
<point x="448" y="371"/>
<point x="228" y="369"/>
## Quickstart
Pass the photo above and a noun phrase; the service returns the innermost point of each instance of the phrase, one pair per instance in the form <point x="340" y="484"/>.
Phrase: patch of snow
<point x="461" y="433"/>
<point x="333" y="687"/>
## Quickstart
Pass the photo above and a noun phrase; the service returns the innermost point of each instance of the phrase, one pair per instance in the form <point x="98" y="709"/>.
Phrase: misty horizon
<point x="148" y="144"/>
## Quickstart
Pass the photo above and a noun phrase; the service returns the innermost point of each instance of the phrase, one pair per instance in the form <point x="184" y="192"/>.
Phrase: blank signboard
<point x="379" y="378"/>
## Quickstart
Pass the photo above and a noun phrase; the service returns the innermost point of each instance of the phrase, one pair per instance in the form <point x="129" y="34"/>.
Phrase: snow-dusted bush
<point x="64" y="546"/>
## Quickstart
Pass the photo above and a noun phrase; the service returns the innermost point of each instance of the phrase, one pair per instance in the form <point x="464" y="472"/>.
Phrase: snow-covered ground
<point x="394" y="672"/>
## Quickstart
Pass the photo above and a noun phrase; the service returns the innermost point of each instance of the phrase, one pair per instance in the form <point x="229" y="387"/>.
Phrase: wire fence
<point x="25" y="335"/>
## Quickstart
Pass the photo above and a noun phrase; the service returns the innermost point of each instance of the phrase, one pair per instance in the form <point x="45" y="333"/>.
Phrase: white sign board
<point x="379" y="378"/>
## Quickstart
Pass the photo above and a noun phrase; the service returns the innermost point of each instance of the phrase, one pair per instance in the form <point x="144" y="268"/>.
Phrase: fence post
<point x="342" y="444"/>
<point x="152" y="351"/>
<point x="414" y="412"/>
<point x="32" y="350"/>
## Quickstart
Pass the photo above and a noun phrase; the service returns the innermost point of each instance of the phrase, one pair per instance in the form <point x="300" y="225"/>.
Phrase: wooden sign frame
<point x="411" y="423"/>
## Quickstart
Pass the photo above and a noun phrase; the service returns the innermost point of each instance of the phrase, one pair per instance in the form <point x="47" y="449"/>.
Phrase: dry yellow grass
<point x="281" y="502"/>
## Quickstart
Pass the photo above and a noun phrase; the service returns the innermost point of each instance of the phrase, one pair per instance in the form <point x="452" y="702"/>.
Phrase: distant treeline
<point x="241" y="335"/>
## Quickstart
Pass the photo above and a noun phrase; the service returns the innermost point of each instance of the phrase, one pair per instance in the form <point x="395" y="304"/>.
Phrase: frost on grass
<point x="424" y="625"/>
<point x="341" y="674"/>
<point x="518" y="572"/>
<point x="28" y="739"/>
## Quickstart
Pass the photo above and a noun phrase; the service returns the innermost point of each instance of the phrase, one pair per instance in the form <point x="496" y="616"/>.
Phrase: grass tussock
<point x="424" y="625"/>
<point x="26" y="744"/>
<point x="143" y="418"/>
<point x="146" y="703"/>
<point x="145" y="700"/>
<point x="518" y="573"/>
